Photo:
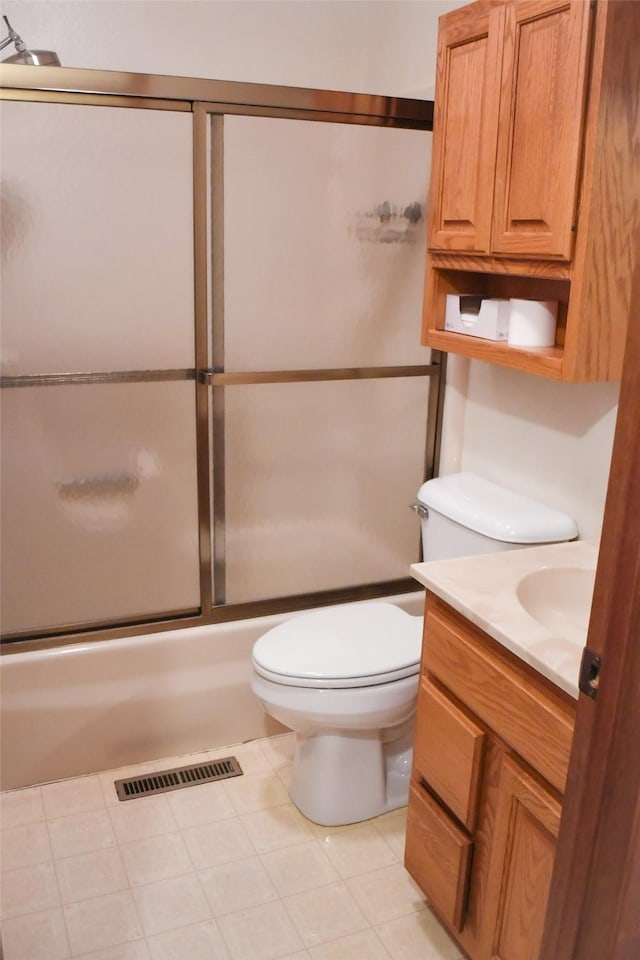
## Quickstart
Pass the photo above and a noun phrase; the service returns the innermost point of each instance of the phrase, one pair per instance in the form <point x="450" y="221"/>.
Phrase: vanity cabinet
<point x="490" y="761"/>
<point x="534" y="173"/>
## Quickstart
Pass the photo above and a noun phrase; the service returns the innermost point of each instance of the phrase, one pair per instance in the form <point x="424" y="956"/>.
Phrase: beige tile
<point x="38" y="936"/>
<point x="279" y="750"/>
<point x="29" y="890"/>
<point x="325" y="913"/>
<point x="236" y="886"/>
<point x="250" y="756"/>
<point x="67" y="797"/>
<point x="358" y="850"/>
<point x="90" y="875"/>
<point x="82" y="833"/>
<point x="364" y="945"/>
<point x="133" y="950"/>
<point x="261" y="933"/>
<point x="19" y="807"/>
<point x="417" y="936"/>
<point x="102" y="922"/>
<point x="142" y="817"/>
<point x="322" y="832"/>
<point x="202" y="941"/>
<point x="386" y="894"/>
<point x="298" y="868"/>
<point x="155" y="858"/>
<point x="212" y="844"/>
<point x="181" y="760"/>
<point x="277" y="827"/>
<point x="392" y="827"/>
<point x="169" y="904"/>
<point x="286" y="775"/>
<point x="258" y="791"/>
<point x="108" y="778"/>
<point x="24" y="846"/>
<point x="204" y="803"/>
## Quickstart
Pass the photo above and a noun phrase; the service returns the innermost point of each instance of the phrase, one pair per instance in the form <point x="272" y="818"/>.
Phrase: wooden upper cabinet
<point x="536" y="177"/>
<point x="542" y="103"/>
<point x="508" y="124"/>
<point x="466" y="116"/>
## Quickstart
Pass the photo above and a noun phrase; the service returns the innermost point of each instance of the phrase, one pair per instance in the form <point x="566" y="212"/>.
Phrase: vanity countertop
<point x="484" y="589"/>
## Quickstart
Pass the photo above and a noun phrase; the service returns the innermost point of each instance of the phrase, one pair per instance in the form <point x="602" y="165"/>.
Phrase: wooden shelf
<point x="546" y="361"/>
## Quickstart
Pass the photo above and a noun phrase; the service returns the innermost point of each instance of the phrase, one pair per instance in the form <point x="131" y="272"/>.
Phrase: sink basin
<point x="559" y="598"/>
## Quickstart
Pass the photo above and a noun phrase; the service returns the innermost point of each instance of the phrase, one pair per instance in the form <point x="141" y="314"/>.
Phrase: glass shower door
<point x="323" y="402"/>
<point x="99" y="493"/>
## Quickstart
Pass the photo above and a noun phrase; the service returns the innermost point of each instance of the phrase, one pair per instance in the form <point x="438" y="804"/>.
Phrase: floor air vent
<point x="177" y="778"/>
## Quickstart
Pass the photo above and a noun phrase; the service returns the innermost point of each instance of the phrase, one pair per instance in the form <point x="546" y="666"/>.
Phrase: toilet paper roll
<point x="532" y="323"/>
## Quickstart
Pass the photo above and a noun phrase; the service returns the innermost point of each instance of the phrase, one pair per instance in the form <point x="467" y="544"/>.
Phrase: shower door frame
<point x="209" y="101"/>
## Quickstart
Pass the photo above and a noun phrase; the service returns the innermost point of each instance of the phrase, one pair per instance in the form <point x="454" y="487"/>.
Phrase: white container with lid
<point x="467" y="515"/>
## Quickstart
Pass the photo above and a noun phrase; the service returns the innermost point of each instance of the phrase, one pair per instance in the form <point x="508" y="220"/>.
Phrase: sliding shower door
<point x="322" y="405"/>
<point x="99" y="492"/>
<point x="214" y="401"/>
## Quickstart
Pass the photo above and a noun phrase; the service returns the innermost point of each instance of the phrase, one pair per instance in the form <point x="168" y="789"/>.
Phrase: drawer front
<point x="437" y="855"/>
<point x="514" y="704"/>
<point x="448" y="752"/>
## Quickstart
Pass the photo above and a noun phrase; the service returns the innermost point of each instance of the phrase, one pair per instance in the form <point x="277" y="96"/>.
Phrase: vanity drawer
<point x="519" y="706"/>
<point x="448" y="752"/>
<point x="437" y="855"/>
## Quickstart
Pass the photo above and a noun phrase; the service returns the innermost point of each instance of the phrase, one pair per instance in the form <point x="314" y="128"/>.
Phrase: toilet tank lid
<point x="495" y="512"/>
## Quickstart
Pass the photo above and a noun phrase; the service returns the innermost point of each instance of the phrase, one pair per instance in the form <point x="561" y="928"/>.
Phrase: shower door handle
<point x="205" y="375"/>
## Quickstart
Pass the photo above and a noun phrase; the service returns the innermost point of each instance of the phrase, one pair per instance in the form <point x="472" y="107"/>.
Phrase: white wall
<point x="548" y="440"/>
<point x="375" y="47"/>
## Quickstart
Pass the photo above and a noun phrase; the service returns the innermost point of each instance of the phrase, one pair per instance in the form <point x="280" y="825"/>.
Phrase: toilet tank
<point x="464" y="514"/>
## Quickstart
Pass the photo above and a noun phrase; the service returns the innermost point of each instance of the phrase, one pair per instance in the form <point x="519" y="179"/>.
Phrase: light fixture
<point x="35" y="58"/>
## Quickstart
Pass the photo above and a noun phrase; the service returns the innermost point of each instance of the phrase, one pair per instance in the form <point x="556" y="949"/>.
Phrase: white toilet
<point x="345" y="678"/>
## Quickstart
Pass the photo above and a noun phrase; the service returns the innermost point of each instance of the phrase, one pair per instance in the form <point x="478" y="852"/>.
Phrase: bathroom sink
<point x="559" y="598"/>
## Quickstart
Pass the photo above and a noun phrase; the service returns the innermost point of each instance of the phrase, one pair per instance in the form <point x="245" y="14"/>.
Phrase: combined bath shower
<point x="34" y="58"/>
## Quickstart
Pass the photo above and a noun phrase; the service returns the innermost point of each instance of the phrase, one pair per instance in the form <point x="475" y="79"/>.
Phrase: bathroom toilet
<point x="345" y="677"/>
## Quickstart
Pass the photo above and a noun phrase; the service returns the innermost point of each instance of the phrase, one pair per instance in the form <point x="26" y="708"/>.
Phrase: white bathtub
<point x="95" y="706"/>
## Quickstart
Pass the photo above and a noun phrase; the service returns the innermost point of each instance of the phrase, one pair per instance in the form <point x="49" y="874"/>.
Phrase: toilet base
<point x="341" y="778"/>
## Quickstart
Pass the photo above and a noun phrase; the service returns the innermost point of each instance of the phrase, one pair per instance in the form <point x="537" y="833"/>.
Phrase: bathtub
<point x="86" y="707"/>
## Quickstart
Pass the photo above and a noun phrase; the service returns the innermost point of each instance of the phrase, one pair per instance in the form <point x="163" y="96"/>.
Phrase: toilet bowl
<point x="334" y="677"/>
<point x="345" y="678"/>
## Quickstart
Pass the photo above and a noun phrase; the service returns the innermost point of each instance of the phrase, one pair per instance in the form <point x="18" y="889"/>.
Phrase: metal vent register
<point x="177" y="778"/>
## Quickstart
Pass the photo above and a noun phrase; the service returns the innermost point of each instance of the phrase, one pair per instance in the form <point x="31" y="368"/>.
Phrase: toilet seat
<point x="352" y="645"/>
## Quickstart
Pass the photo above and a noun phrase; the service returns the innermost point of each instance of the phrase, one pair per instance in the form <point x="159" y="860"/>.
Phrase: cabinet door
<point x="526" y="828"/>
<point x="465" y="127"/>
<point x="542" y="101"/>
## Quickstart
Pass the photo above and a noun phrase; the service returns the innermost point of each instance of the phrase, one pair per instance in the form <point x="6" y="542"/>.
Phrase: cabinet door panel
<point x="526" y="828"/>
<point x="540" y="129"/>
<point x="465" y="124"/>
<point x="448" y="752"/>
<point x="437" y="855"/>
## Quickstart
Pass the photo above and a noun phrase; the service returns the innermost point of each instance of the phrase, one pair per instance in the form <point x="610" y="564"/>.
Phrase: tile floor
<point x="221" y="871"/>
